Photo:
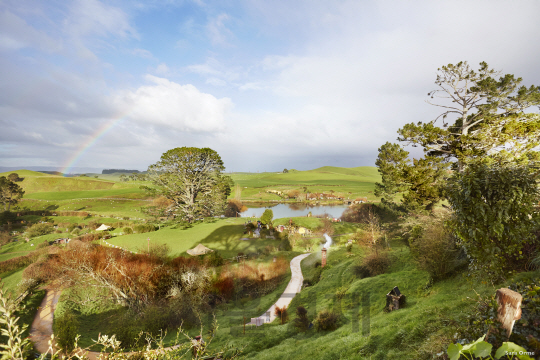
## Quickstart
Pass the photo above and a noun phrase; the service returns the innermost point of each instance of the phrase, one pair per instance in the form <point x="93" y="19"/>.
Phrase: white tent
<point x="199" y="250"/>
<point x="103" y="227"/>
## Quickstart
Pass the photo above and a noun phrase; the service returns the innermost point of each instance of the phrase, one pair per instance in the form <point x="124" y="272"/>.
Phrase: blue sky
<point x="267" y="84"/>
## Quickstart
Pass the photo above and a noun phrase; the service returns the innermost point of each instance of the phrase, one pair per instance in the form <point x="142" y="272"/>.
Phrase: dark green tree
<point x="13" y="177"/>
<point x="285" y="171"/>
<point x="267" y="217"/>
<point x="495" y="207"/>
<point x="489" y="117"/>
<point x="425" y="180"/>
<point x="191" y="177"/>
<point x="10" y="193"/>
<point x="391" y="162"/>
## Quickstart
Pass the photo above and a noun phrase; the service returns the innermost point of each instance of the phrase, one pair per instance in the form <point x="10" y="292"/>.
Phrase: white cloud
<point x="180" y="107"/>
<point x="16" y="34"/>
<point x="218" y="32"/>
<point x="91" y="17"/>
<point x="162" y="69"/>
<point x="143" y="53"/>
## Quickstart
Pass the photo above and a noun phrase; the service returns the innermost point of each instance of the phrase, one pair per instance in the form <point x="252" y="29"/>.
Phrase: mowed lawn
<point x="223" y="235"/>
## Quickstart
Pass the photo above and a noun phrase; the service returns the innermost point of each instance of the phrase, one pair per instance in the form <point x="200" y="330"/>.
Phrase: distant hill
<point x="112" y="171"/>
<point x="78" y="170"/>
<point x="24" y="173"/>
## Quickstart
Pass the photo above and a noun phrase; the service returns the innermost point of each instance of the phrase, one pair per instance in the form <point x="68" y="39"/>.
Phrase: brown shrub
<point x="282" y="314"/>
<point x="234" y="207"/>
<point x="436" y="252"/>
<point x="357" y="213"/>
<point x="376" y="263"/>
<point x="326" y="321"/>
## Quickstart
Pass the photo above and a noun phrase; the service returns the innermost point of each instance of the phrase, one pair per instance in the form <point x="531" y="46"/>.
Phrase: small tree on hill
<point x="13" y="177"/>
<point x="267" y="217"/>
<point x="10" y="193"/>
<point x="285" y="171"/>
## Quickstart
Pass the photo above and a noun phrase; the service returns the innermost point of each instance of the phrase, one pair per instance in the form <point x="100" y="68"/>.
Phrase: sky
<point x="267" y="84"/>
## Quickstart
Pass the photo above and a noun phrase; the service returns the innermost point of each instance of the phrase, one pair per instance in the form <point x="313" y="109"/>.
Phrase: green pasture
<point x="67" y="195"/>
<point x="350" y="182"/>
<point x="107" y="207"/>
<point x="223" y="235"/>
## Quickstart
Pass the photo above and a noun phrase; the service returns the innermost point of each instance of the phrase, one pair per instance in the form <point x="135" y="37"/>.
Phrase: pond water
<point x="292" y="210"/>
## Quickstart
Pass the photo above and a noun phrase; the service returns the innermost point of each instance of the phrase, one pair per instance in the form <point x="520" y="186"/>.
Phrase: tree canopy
<point x="495" y="207"/>
<point x="490" y="116"/>
<point x="191" y="177"/>
<point x="267" y="217"/>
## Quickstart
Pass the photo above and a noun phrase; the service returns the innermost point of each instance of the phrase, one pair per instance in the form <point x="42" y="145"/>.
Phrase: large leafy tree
<point x="10" y="193"/>
<point x="496" y="210"/>
<point x="191" y="177"/>
<point x="420" y="181"/>
<point x="489" y="116"/>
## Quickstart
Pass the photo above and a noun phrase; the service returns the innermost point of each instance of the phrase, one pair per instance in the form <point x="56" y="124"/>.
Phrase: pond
<point x="293" y="210"/>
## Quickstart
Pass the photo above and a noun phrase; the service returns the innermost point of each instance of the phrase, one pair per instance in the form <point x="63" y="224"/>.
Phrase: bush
<point x="127" y="230"/>
<point x="7" y="217"/>
<point x="213" y="259"/>
<point x="436" y="252"/>
<point x="66" y="328"/>
<point x="40" y="229"/>
<point x="301" y="322"/>
<point x="326" y="321"/>
<point x="5" y="238"/>
<point x="376" y="263"/>
<point x="144" y="228"/>
<point x="495" y="208"/>
<point x="282" y="314"/>
<point x="349" y="248"/>
<point x="361" y="271"/>
<point x="285" y="245"/>
<point x="72" y="227"/>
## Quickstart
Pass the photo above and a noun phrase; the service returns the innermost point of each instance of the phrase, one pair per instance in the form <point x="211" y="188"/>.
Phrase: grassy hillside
<point x="350" y="182"/>
<point x="423" y="328"/>
<point x="25" y="173"/>
<point x="223" y="235"/>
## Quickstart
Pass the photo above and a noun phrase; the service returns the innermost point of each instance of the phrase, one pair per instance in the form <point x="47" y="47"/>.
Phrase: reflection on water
<point x="296" y="209"/>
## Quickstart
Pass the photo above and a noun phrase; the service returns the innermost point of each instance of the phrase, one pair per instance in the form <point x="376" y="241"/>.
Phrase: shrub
<point x="349" y="248"/>
<point x="144" y="228"/>
<point x="376" y="263"/>
<point x="495" y="207"/>
<point x="76" y="231"/>
<point x="301" y="322"/>
<point x="66" y="328"/>
<point x="436" y="252"/>
<point x="40" y="229"/>
<point x="127" y="230"/>
<point x="5" y="238"/>
<point x="326" y="321"/>
<point x="361" y="271"/>
<point x="285" y="245"/>
<point x="282" y="314"/>
<point x="213" y="259"/>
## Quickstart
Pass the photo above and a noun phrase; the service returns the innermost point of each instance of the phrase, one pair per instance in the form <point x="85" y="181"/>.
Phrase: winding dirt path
<point x="41" y="329"/>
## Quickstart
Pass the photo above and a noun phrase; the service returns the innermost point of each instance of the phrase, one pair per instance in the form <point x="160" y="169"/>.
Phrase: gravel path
<point x="293" y="288"/>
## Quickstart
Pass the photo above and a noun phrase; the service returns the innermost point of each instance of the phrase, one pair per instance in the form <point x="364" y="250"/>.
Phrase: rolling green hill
<point x="352" y="182"/>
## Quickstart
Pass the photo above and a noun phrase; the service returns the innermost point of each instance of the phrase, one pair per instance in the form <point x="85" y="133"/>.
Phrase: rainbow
<point x="83" y="149"/>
